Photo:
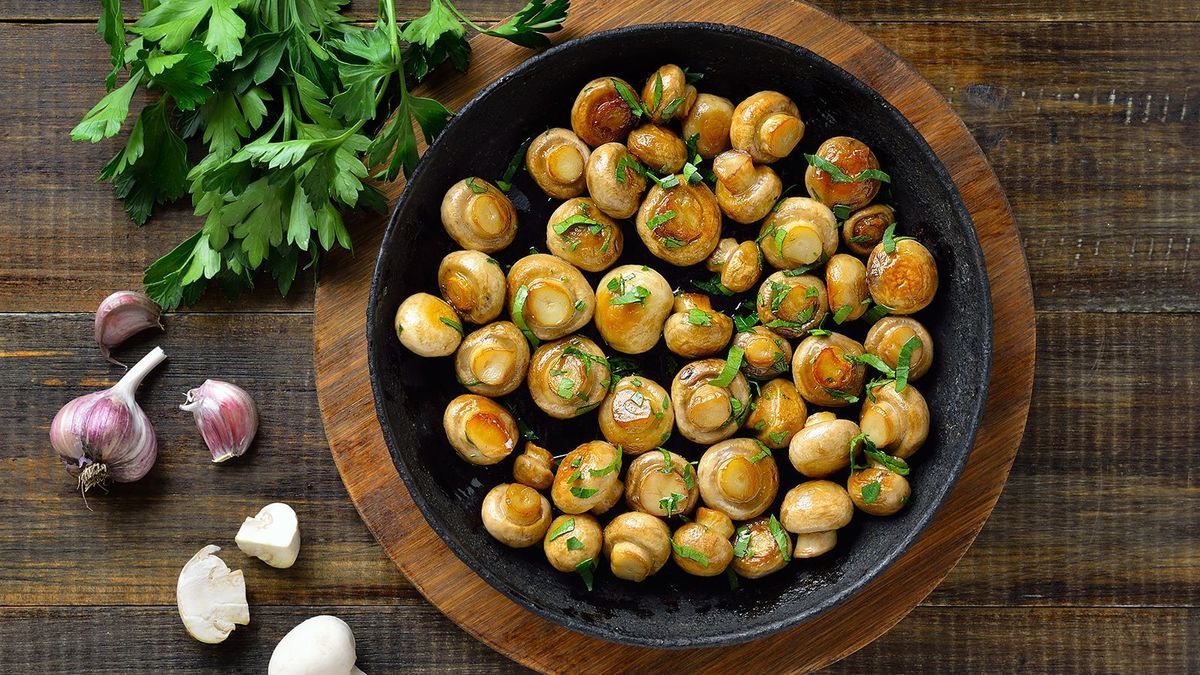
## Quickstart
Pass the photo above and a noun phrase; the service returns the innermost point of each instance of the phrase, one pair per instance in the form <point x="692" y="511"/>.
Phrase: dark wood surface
<point x="1089" y="114"/>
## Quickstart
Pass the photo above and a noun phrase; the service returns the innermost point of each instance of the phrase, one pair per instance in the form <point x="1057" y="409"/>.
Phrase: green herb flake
<point x="475" y="187"/>
<point x="839" y="394"/>
<point x="870" y="492"/>
<point x="518" y="314"/>
<point x="781" y="538"/>
<point x="564" y="527"/>
<point x="777" y="437"/>
<point x="582" y="492"/>
<point x="842" y="314"/>
<point x="904" y="361"/>
<point x="452" y="323"/>
<point x="741" y="542"/>
<point x="690" y="554"/>
<point x="514" y="165"/>
<point x="699" y="317"/>
<point x="712" y="286"/>
<point x="573" y="544"/>
<point x="841" y="211"/>
<point x="586" y="570"/>
<point x="661" y="218"/>
<point x="876" y="312"/>
<point x="565" y="388"/>
<point x="763" y="452"/>
<point x="637" y="294"/>
<point x="889" y="462"/>
<point x="611" y="468"/>
<point x="889" y="239"/>
<point x="576" y="219"/>
<point x="579" y="305"/>
<point x="811" y="292"/>
<point x="670" y="503"/>
<point x="631" y="99"/>
<point x="667" y="466"/>
<point x="671" y="107"/>
<point x="839" y="176"/>
<point x="873" y="361"/>
<point x="689" y="479"/>
<point x="732" y="363"/>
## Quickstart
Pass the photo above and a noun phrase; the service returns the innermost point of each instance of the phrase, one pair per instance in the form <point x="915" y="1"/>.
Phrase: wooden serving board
<point x="362" y="457"/>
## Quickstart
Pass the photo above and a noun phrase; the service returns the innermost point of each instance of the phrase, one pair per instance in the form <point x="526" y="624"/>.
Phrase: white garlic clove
<point x="211" y="598"/>
<point x="321" y="645"/>
<point x="121" y="316"/>
<point x="273" y="536"/>
<point x="226" y="417"/>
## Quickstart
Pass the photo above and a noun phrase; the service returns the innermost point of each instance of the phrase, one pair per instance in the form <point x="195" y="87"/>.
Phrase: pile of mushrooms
<point x="804" y="341"/>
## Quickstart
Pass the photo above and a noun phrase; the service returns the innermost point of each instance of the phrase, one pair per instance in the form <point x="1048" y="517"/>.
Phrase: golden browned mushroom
<point x="822" y="447"/>
<point x="661" y="483"/>
<point x="516" y="515"/>
<point x="614" y="180"/>
<point x="711" y="398"/>
<point x="778" y="413"/>
<point x="825" y="371"/>
<point x="846" y="284"/>
<point x="813" y="544"/>
<point x="534" y="467"/>
<point x="473" y="283"/>
<point x="569" y="377"/>
<point x="478" y="216"/>
<point x="745" y="192"/>
<point x="637" y="545"/>
<point x="428" y="326"/>
<point x="905" y="279"/>
<point x="895" y="421"/>
<point x="658" y="148"/>
<point x="767" y="125"/>
<point x="583" y="235"/>
<point x="548" y="297"/>
<point x="878" y="490"/>
<point x="588" y="479"/>
<point x="573" y="540"/>
<point x="816" y="506"/>
<point x="791" y="305"/>
<point x="740" y="265"/>
<point x="696" y="329"/>
<point x="765" y="353"/>
<point x="556" y="159"/>
<point x="887" y="338"/>
<point x="667" y="94"/>
<point x="681" y="225"/>
<point x="492" y="360"/>
<point x="801" y="231"/>
<point x="480" y="430"/>
<point x="761" y="547"/>
<point x="848" y="187"/>
<point x="600" y="113"/>
<point x="632" y="302"/>
<point x="709" y="121"/>
<point x="702" y="547"/>
<point x="863" y="230"/>
<point x="637" y="415"/>
<point x="738" y="477"/>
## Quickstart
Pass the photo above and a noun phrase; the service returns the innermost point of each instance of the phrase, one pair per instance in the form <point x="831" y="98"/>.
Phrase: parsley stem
<point x="462" y="17"/>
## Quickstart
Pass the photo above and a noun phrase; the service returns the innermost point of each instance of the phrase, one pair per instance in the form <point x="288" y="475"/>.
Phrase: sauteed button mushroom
<point x="478" y="216"/>
<point x="428" y="326"/>
<point x="556" y="161"/>
<point x="516" y="515"/>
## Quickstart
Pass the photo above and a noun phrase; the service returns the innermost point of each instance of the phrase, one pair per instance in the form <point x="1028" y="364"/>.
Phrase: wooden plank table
<point x="1089" y="112"/>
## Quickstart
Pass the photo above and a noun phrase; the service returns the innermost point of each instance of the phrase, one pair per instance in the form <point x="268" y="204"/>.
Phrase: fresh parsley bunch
<point x="286" y="104"/>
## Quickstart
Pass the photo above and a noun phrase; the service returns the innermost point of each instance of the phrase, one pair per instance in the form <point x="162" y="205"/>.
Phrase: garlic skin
<point x="105" y="435"/>
<point x="226" y="417"/>
<point x="210" y="597"/>
<point x="322" y="645"/>
<point x="273" y="536"/>
<point x="122" y="315"/>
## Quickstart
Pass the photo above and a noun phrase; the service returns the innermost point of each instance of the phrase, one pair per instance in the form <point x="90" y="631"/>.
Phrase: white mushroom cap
<point x="211" y="598"/>
<point x="322" y="645"/>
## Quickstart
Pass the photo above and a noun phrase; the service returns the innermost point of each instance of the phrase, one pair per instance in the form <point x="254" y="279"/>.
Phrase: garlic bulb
<point x="211" y="598"/>
<point x="226" y="417"/>
<point x="323" y="644"/>
<point x="273" y="536"/>
<point x="105" y="435"/>
<point x="122" y="315"/>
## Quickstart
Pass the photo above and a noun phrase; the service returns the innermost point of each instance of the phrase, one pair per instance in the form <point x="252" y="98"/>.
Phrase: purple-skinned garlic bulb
<point x="226" y="417"/>
<point x="104" y="435"/>
<point x="121" y="316"/>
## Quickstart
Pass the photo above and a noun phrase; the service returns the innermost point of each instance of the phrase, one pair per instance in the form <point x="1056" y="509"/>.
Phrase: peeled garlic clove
<point x="273" y="536"/>
<point x="211" y="598"/>
<point x="226" y="417"/>
<point x="122" y="315"/>
<point x="323" y="644"/>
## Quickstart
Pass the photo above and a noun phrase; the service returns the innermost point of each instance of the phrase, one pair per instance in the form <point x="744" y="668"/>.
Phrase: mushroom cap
<point x="816" y="506"/>
<point x="588" y="479"/>
<point x="534" y="467"/>
<point x="516" y="515"/>
<point x="893" y="491"/>
<point x="428" y="326"/>
<point x="681" y="225"/>
<point x="800" y="231"/>
<point x="765" y="353"/>
<point x="695" y="329"/>
<point x="904" y="280"/>
<point x="846" y="285"/>
<point x="822" y="447"/>
<point x="632" y="302"/>
<point x="739" y="478"/>
<point x="583" y="235"/>
<point x="791" y="305"/>
<point x="659" y="148"/>
<point x="662" y="484"/>
<point x="637" y="415"/>
<point x="613" y="180"/>
<point x="492" y="360"/>
<point x="702" y="547"/>
<point x="709" y="121"/>
<point x="600" y="114"/>
<point x="637" y="545"/>
<point x="740" y="265"/>
<point x="211" y="599"/>
<point x="478" y="216"/>
<point x="886" y="340"/>
<point x="556" y="160"/>
<point x="895" y="421"/>
<point x="558" y="300"/>
<point x="472" y="282"/>
<point x="762" y="555"/>
<point x="588" y="536"/>
<point x="321" y="644"/>
<point x="767" y="125"/>
<point x="822" y="372"/>
<point x="778" y="413"/>
<point x="853" y="157"/>
<point x="568" y="377"/>
<point x="667" y="95"/>
<point x="704" y="412"/>
<point x="480" y="430"/>
<point x="745" y="192"/>
<point x="813" y="544"/>
<point x="863" y="230"/>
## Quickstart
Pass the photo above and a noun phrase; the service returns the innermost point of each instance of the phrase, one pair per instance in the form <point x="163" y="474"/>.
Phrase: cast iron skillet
<point x="670" y="609"/>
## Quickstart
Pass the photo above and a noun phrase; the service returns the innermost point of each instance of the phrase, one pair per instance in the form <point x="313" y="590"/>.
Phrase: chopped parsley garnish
<point x="564" y="527"/>
<point x="671" y="107"/>
<point x="781" y="538"/>
<point x="518" y="313"/>
<point x="661" y="218"/>
<point x="842" y="313"/>
<point x="586" y="569"/>
<point x="871" y="360"/>
<point x="839" y="176"/>
<point x="777" y="437"/>
<point x="889" y="462"/>
<point x="577" y="219"/>
<point x="804" y="269"/>
<point x="870" y="492"/>
<point x="582" y="492"/>
<point x="691" y="173"/>
<point x="712" y="286"/>
<point x="690" y="553"/>
<point x="573" y="544"/>
<point x="745" y="322"/>
<point x="689" y="480"/>
<point x="732" y="363"/>
<point x="667" y="466"/>
<point x="699" y="317"/>
<point x="779" y="293"/>
<point x="841" y="211"/>
<point x="475" y="187"/>
<point x="741" y="542"/>
<point x="889" y="239"/>
<point x="579" y="305"/>
<point x="876" y="312"/>
<point x="903" y="362"/>
<point x="626" y="164"/>
<point x="867" y="444"/>
<point x="565" y="388"/>
<point x="604" y="471"/>
<point x="670" y="503"/>
<point x="452" y="323"/>
<point x="514" y="165"/>
<point x="637" y="294"/>
<point x="839" y="394"/>
<point x="763" y="452"/>
<point x="631" y="99"/>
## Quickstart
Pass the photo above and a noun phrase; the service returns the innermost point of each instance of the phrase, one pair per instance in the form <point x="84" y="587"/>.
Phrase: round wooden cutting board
<point x="366" y="467"/>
